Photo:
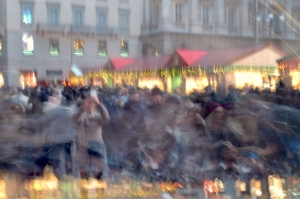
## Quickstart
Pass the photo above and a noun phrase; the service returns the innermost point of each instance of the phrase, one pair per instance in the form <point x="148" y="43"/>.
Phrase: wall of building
<point x="13" y="59"/>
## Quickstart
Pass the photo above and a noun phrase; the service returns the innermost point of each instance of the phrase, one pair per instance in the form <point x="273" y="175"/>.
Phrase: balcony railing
<point x="64" y="28"/>
<point x="232" y="30"/>
<point x="207" y="28"/>
<point x="149" y="28"/>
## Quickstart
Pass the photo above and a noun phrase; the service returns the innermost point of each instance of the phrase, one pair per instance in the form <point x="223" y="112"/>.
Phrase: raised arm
<point x="104" y="114"/>
<point x="77" y="115"/>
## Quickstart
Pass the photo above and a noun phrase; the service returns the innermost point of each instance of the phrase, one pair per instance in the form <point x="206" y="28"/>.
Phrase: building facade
<point x="47" y="37"/>
<point x="212" y="24"/>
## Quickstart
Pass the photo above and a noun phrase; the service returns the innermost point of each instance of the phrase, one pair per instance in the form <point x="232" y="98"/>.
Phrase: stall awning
<point x="227" y="56"/>
<point x="221" y="57"/>
<point x="120" y="63"/>
<point x="190" y="56"/>
<point x="137" y="64"/>
<point x="295" y="57"/>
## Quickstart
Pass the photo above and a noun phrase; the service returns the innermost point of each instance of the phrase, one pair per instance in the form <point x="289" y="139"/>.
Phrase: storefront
<point x="137" y="72"/>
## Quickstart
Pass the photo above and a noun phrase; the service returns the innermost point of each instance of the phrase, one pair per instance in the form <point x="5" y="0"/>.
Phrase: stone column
<point x="289" y="33"/>
<point x="243" y="17"/>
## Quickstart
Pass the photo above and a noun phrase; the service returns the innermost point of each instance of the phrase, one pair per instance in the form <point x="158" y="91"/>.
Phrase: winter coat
<point x="55" y="125"/>
<point x="90" y="130"/>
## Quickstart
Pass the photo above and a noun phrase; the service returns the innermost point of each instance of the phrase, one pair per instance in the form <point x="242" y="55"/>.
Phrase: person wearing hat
<point x="155" y="143"/>
<point x="218" y="134"/>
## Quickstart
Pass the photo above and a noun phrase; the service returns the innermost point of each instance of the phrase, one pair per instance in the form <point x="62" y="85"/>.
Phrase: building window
<point x="53" y="14"/>
<point x="78" y="47"/>
<point x="0" y="46"/>
<point x="54" y="47"/>
<point x="27" y="13"/>
<point x="102" y="48"/>
<point x="156" y="14"/>
<point x="124" y="19"/>
<point x="276" y="22"/>
<point x="28" y="45"/>
<point x="78" y="15"/>
<point x="179" y="12"/>
<point x="124" y="49"/>
<point x="124" y="1"/>
<point x="102" y="18"/>
<point x="206" y="14"/>
<point x="298" y="21"/>
<point x="231" y="17"/>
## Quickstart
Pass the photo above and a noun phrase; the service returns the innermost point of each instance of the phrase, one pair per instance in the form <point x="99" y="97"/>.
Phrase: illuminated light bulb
<point x="122" y="43"/>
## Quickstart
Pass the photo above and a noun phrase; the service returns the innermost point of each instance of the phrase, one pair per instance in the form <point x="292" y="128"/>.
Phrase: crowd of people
<point x="148" y="134"/>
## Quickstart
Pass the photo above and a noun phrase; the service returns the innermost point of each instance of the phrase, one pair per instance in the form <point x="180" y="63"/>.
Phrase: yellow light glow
<point x="250" y="78"/>
<point x="276" y="188"/>
<point x="1" y="80"/>
<point x="151" y="83"/>
<point x="255" y="187"/>
<point x="196" y="83"/>
<point x="22" y="81"/>
<point x="295" y="75"/>
<point x="2" y="189"/>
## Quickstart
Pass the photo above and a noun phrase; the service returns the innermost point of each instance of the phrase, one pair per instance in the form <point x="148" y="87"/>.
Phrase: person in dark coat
<point x="58" y="131"/>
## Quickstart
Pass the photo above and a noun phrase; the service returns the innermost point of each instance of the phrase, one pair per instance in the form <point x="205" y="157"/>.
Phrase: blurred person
<point x="118" y="100"/>
<point x="194" y="144"/>
<point x="58" y="131"/>
<point x="154" y="141"/>
<point x="91" y="153"/>
<point x="232" y="95"/>
<point x="213" y="114"/>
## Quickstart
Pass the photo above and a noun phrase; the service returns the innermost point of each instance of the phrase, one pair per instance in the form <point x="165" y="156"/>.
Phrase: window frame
<point x="231" y="21"/>
<point x="102" y="10"/>
<point x="276" y="23"/>
<point x="49" y="18"/>
<point x="78" y="54"/>
<point x="30" y="6"/>
<point x="297" y="27"/>
<point x="78" y="9"/>
<point x="126" y="13"/>
<point x="51" y="53"/>
<point x="205" y="8"/>
<point x="179" y="12"/>
<point x="105" y="48"/>
<point x="25" y="51"/>
<point x="124" y="48"/>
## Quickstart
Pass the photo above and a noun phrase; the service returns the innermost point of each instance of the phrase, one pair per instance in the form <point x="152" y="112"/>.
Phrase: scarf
<point x="88" y="116"/>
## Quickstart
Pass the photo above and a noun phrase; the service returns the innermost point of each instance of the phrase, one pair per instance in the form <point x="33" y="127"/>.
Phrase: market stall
<point x="289" y="68"/>
<point x="254" y="66"/>
<point x="136" y="72"/>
